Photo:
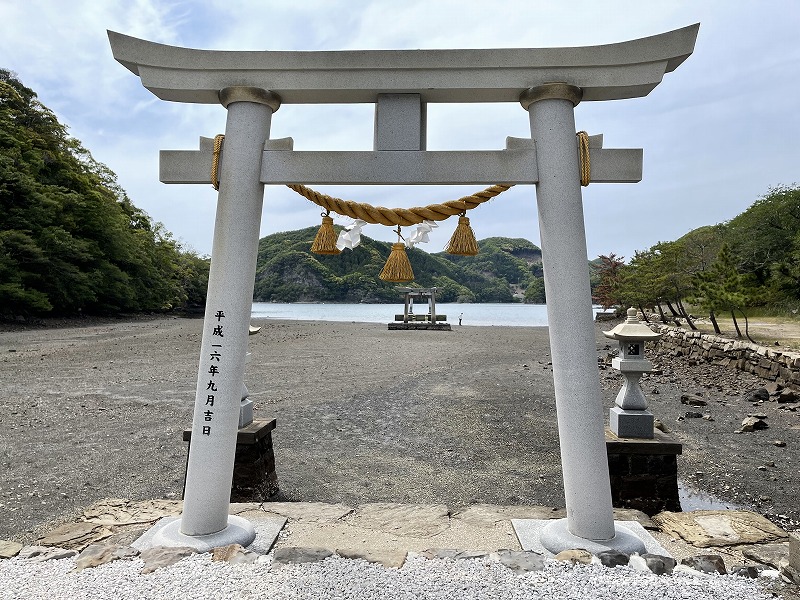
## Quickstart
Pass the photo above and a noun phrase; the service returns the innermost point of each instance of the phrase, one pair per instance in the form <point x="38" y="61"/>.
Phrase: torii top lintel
<point x="608" y="72"/>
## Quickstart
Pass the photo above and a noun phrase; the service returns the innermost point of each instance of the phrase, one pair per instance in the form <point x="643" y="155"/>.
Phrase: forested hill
<point x="505" y="270"/>
<point x="71" y="241"/>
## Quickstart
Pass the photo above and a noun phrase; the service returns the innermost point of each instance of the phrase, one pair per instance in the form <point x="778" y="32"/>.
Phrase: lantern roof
<point x="632" y="329"/>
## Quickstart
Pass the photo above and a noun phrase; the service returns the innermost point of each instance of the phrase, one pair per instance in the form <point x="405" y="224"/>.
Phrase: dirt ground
<point x="364" y="415"/>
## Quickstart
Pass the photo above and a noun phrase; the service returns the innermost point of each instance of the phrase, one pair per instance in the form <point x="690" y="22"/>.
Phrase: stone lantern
<point x="630" y="417"/>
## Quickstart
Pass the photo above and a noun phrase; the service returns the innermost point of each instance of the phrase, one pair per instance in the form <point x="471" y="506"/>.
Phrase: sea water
<point x="506" y="315"/>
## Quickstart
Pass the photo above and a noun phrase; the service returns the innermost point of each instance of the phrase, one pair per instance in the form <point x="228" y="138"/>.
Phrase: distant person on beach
<point x="461" y="316"/>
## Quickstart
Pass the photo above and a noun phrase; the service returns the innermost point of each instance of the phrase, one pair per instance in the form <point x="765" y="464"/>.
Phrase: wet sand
<point x="364" y="415"/>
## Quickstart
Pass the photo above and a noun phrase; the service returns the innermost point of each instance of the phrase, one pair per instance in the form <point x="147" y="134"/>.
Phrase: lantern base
<point x="631" y="423"/>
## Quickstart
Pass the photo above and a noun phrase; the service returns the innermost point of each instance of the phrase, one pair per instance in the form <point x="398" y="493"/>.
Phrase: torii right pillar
<point x="579" y="407"/>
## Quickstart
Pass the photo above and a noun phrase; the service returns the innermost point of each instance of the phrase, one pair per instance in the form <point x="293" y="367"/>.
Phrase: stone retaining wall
<point x="780" y="366"/>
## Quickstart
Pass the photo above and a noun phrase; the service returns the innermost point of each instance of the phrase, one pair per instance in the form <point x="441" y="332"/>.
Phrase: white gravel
<point x="337" y="578"/>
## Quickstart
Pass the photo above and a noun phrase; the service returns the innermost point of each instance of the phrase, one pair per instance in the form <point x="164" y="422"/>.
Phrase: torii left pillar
<point x="205" y="522"/>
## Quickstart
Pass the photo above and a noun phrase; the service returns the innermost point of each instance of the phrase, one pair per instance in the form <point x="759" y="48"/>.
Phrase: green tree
<point x="720" y="288"/>
<point x="72" y="241"/>
<point x="534" y="293"/>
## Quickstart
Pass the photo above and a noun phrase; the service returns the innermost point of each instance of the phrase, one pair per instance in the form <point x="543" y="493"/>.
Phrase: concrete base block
<point x="167" y="533"/>
<point x="631" y="423"/>
<point x="550" y="537"/>
<point x="245" y="412"/>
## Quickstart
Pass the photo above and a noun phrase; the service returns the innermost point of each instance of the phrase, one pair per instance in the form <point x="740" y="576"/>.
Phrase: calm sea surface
<point x="517" y="315"/>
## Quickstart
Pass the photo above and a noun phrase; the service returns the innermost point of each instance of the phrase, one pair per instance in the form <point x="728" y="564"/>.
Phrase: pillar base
<point x="167" y="532"/>
<point x="631" y="423"/>
<point x="556" y="537"/>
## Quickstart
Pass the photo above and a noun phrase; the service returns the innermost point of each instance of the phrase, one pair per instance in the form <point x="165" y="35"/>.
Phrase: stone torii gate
<point x="548" y="83"/>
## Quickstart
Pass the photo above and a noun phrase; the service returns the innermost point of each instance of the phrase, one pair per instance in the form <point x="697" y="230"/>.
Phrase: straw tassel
<point x="398" y="268"/>
<point x="463" y="241"/>
<point x="325" y="240"/>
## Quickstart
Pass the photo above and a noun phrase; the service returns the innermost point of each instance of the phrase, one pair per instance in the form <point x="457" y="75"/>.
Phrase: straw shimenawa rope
<point x="406" y="216"/>
<point x="218" y="139"/>
<point x="399" y="216"/>
<point x="583" y="155"/>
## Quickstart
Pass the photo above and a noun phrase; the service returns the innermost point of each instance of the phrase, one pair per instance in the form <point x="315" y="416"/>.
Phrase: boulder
<point x="575" y="556"/>
<point x="693" y="400"/>
<point x="295" y="555"/>
<point x="753" y="423"/>
<point x="705" y="528"/>
<point x="387" y="558"/>
<point x="659" y="564"/>
<point x="756" y="395"/>
<point x="706" y="563"/>
<point x="100" y="554"/>
<point x="162" y="556"/>
<point x="520" y="561"/>
<point x="43" y="553"/>
<point x="613" y="558"/>
<point x="234" y="554"/>
<point x="9" y="549"/>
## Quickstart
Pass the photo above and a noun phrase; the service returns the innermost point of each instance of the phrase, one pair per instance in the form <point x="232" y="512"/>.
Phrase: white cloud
<point x="716" y="133"/>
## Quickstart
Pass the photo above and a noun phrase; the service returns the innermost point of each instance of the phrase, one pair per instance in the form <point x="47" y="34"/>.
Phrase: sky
<point x="717" y="133"/>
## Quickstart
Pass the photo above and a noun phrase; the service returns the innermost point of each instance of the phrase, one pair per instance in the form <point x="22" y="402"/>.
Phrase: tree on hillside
<point x="763" y="239"/>
<point x="71" y="241"/>
<point x="720" y="288"/>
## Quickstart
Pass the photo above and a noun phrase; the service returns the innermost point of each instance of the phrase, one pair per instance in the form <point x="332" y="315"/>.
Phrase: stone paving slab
<point x="308" y="512"/>
<point x="412" y="520"/>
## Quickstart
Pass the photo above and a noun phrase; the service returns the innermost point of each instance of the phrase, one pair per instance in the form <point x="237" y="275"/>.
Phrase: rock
<point x="773" y="387"/>
<point x="708" y="417"/>
<point x="162" y="556"/>
<point x="788" y="571"/>
<point x="787" y="395"/>
<point x="234" y="554"/>
<point x="753" y="423"/>
<point x="99" y="554"/>
<point x="75" y="535"/>
<point x="294" y="556"/>
<point x="387" y="558"/>
<point x="706" y="563"/>
<point x="694" y="415"/>
<point x="613" y="558"/>
<point x="576" y="556"/>
<point x="413" y="520"/>
<point x="767" y="554"/>
<point x="659" y="564"/>
<point x="43" y="553"/>
<point x="770" y="574"/>
<point x="756" y="395"/>
<point x="637" y="563"/>
<point x="693" y="400"/>
<point x="704" y="528"/>
<point x="749" y="571"/>
<point x="453" y="554"/>
<point x="779" y="443"/>
<point x="9" y="549"/>
<point x="520" y="561"/>
<point x="658" y="424"/>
